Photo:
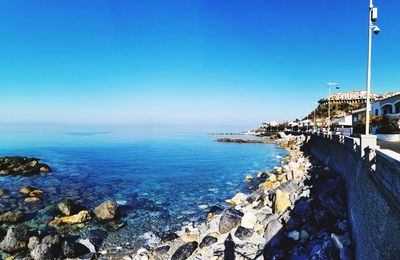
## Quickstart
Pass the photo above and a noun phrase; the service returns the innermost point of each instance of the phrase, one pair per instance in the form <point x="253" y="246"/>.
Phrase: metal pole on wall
<point x="329" y="108"/>
<point x="373" y="16"/>
<point x="330" y="84"/>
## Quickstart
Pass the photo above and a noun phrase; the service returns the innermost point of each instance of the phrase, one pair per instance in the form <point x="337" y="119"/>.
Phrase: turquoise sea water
<point x="161" y="180"/>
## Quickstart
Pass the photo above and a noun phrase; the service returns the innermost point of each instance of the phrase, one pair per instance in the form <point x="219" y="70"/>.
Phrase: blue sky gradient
<point x="216" y="63"/>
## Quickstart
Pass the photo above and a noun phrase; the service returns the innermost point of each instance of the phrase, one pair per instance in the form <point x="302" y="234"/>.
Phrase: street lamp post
<point x="314" y="120"/>
<point x="373" y="16"/>
<point x="330" y="85"/>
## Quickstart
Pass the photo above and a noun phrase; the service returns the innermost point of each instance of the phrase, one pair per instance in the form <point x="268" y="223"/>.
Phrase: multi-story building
<point x="389" y="106"/>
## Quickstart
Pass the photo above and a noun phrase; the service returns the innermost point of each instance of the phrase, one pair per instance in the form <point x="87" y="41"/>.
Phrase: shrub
<point x="388" y="126"/>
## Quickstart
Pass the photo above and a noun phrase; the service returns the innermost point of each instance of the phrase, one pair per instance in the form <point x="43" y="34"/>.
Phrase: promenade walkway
<point x="394" y="146"/>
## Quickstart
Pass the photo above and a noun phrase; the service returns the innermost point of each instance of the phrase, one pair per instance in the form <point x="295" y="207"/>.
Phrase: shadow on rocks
<point x="317" y="226"/>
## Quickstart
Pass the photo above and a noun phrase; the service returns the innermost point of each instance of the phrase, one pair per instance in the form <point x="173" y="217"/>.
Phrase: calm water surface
<point x="161" y="180"/>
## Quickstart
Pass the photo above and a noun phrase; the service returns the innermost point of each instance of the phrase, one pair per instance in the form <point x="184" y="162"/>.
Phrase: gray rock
<point x="230" y="219"/>
<point x="302" y="209"/>
<point x="68" y="249"/>
<point x="272" y="229"/>
<point x="51" y="240"/>
<point x="243" y="233"/>
<point x="169" y="237"/>
<point x="162" y="249"/>
<point x="11" y="216"/>
<point x="183" y="252"/>
<point x="15" y="239"/>
<point x="106" y="210"/>
<point x="208" y="241"/>
<point x="68" y="207"/>
<point x="41" y="252"/>
<point x="33" y="241"/>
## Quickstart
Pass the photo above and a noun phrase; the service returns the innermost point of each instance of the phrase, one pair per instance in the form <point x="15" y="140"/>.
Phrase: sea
<point x="160" y="179"/>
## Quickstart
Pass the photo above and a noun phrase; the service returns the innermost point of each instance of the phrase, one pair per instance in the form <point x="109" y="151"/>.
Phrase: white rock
<point x="249" y="219"/>
<point x="88" y="244"/>
<point x="337" y="241"/>
<point x="294" y="234"/>
<point x="237" y="199"/>
<point x="203" y="206"/>
<point x="33" y="241"/>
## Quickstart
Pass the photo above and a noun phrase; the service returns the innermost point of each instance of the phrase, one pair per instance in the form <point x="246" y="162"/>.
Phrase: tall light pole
<point x="373" y="16"/>
<point x="330" y="85"/>
<point x="314" y="120"/>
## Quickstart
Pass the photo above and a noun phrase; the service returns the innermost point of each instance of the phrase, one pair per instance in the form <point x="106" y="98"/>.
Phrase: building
<point x="344" y="121"/>
<point x="357" y="96"/>
<point x="389" y="106"/>
<point x="344" y="125"/>
<point x="357" y="115"/>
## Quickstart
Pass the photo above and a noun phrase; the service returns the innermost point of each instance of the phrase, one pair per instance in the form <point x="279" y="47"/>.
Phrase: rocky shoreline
<point x="57" y="240"/>
<point x="298" y="211"/>
<point x="240" y="140"/>
<point x="24" y="166"/>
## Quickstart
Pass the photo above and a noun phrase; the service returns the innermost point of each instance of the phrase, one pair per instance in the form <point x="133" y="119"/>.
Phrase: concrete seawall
<point x="373" y="192"/>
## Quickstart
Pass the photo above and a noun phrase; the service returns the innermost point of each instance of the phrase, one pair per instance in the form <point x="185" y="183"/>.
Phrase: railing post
<point x="368" y="147"/>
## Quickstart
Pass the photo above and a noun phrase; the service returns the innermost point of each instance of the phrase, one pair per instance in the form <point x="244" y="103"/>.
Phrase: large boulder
<point x="106" y="210"/>
<point x="33" y="241"/>
<point x="16" y="239"/>
<point x="42" y="252"/>
<point x="82" y="216"/>
<point x="208" y="241"/>
<point x="243" y="233"/>
<point x="11" y="216"/>
<point x="249" y="219"/>
<point x="282" y="201"/>
<point x="237" y="199"/>
<point x="230" y="219"/>
<point x="183" y="252"/>
<point x="68" y="249"/>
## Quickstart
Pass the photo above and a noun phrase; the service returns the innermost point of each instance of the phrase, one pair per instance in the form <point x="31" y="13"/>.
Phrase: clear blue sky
<point x="191" y="62"/>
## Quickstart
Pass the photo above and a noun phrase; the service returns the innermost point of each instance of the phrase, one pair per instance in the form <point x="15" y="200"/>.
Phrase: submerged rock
<point x="183" y="252"/>
<point x="11" y="216"/>
<point x="31" y="199"/>
<point x="106" y="210"/>
<point x="26" y="190"/>
<point x="25" y="166"/>
<point x="230" y="219"/>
